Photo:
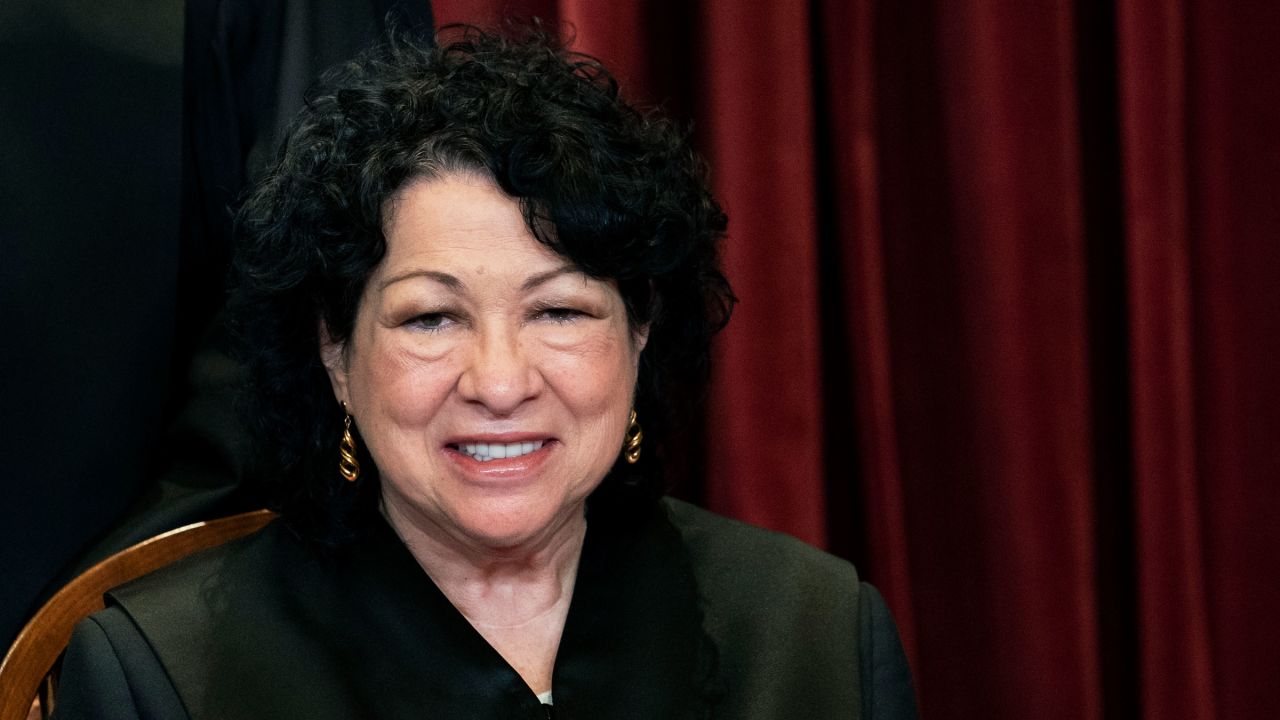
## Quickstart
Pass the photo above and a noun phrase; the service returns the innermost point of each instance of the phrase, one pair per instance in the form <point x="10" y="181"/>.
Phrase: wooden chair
<point x="28" y="676"/>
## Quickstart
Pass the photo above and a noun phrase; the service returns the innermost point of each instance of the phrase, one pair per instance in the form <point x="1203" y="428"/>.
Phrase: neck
<point x="498" y="587"/>
<point x="516" y="597"/>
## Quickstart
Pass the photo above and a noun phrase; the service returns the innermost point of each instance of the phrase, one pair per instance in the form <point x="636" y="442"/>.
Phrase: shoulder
<point x="109" y="672"/>
<point x="759" y="586"/>
<point x="783" y="616"/>
<point x="798" y="633"/>
<point x="193" y="610"/>
<point x="746" y="560"/>
<point x="204" y="578"/>
<point x="121" y="661"/>
<point x="214" y="623"/>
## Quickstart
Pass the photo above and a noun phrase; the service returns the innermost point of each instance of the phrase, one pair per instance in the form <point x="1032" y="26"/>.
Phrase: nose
<point x="499" y="374"/>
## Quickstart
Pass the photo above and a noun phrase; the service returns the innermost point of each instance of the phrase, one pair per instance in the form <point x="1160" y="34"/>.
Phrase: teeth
<point x="484" y="452"/>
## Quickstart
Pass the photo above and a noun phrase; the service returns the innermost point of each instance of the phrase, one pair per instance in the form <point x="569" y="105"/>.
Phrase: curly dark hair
<point x="615" y="190"/>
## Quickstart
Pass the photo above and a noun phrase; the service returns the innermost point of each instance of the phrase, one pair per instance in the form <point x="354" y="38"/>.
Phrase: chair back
<point x="28" y="671"/>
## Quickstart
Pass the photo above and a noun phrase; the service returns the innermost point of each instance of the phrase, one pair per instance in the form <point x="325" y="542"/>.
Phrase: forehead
<point x="460" y="219"/>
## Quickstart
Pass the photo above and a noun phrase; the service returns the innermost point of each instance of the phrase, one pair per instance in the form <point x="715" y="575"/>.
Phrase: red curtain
<point x="1009" y="335"/>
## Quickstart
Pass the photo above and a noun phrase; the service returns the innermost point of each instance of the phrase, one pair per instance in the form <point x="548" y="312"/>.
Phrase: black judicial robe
<point x="680" y="614"/>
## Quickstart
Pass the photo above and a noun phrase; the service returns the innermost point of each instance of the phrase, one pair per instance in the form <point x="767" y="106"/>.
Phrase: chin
<point x="509" y="522"/>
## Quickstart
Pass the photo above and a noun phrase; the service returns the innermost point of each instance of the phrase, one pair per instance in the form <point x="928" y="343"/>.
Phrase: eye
<point x="559" y="315"/>
<point x="431" y="322"/>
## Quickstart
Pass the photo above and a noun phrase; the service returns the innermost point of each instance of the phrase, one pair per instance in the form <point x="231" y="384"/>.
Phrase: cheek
<point x="595" y="376"/>
<point x="403" y="388"/>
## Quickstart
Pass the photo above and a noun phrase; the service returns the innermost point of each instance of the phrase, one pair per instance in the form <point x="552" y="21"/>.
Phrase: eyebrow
<point x="457" y="285"/>
<point x="542" y="277"/>
<point x="445" y="279"/>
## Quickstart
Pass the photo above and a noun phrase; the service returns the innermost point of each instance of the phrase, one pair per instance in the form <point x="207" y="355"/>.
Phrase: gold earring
<point x="631" y="442"/>
<point x="348" y="465"/>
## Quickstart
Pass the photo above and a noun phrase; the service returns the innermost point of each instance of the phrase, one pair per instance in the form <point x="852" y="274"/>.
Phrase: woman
<point x="474" y="272"/>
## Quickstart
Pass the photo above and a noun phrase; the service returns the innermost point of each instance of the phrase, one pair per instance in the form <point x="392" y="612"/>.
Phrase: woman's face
<point x="490" y="379"/>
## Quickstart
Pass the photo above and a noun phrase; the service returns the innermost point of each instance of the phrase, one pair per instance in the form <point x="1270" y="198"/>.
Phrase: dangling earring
<point x="631" y="442"/>
<point x="348" y="466"/>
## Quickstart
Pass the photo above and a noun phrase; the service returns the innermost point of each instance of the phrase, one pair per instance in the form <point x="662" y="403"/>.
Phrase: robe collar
<point x="633" y="646"/>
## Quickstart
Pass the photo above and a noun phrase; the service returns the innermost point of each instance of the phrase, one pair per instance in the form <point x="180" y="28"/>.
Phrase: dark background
<point x="128" y="131"/>
<point x="90" y="187"/>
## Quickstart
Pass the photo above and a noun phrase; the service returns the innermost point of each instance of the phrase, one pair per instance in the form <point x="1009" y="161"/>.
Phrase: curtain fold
<point x="1171" y="583"/>
<point x="764" y="176"/>
<point x="988" y="315"/>
<point x="1010" y="324"/>
<point x="857" y="339"/>
<point x="1202" y="165"/>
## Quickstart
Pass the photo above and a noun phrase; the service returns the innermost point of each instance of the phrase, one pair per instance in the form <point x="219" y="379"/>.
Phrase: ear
<point x="333" y="355"/>
<point x="640" y="338"/>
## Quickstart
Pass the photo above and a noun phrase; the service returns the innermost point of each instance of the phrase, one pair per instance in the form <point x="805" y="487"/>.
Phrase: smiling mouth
<point x="484" y="452"/>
